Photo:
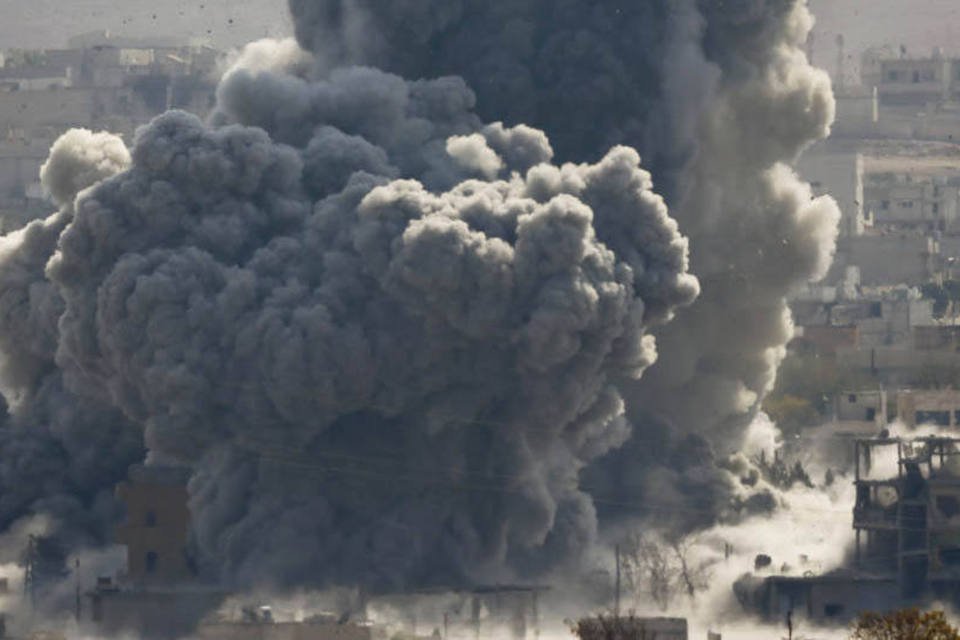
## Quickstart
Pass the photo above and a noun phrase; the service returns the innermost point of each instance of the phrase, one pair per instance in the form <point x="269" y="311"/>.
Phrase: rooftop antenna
<point x="616" y="606"/>
<point x="76" y="573"/>
<point x="29" y="577"/>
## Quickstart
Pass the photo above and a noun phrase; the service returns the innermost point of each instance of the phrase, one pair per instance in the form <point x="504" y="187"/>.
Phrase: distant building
<point x="101" y="82"/>
<point x="874" y="317"/>
<point x="907" y="553"/>
<point x="937" y="337"/>
<point x="862" y="406"/>
<point x="913" y="194"/>
<point x="836" y="169"/>
<point x="158" y="595"/>
<point x="928" y="406"/>
<point x="919" y="81"/>
<point x="156" y="527"/>
<point x="889" y="259"/>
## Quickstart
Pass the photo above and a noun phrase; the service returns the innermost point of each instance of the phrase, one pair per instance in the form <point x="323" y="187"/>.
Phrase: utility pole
<point x="29" y="579"/>
<point x="616" y="606"/>
<point x="76" y="575"/>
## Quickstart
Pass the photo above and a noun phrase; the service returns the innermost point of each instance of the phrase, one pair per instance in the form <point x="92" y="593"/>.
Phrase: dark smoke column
<point x="719" y="98"/>
<point x="60" y="455"/>
<point x="385" y="335"/>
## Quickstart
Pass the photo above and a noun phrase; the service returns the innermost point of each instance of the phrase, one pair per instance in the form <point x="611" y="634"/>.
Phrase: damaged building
<point x="160" y="594"/>
<point x="907" y="526"/>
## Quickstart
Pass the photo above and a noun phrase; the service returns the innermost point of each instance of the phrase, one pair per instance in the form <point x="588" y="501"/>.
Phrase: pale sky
<point x="48" y="23"/>
<point x="920" y="24"/>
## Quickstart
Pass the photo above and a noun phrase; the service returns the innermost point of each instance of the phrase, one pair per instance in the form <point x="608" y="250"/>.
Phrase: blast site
<point x="478" y="319"/>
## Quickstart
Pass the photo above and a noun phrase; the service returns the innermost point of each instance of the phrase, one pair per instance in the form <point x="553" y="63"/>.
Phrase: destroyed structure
<point x="907" y="523"/>
<point x="158" y="596"/>
<point x="161" y="596"/>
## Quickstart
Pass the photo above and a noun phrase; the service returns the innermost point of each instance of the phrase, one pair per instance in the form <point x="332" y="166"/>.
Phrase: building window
<point x="891" y="76"/>
<point x="151" y="562"/>
<point x="852" y="398"/>
<point x="832" y="610"/>
<point x="151" y="518"/>
<point x="871" y="414"/>
<point x="916" y="77"/>
<point x="885" y="205"/>
<point x="948" y="506"/>
<point x="936" y="207"/>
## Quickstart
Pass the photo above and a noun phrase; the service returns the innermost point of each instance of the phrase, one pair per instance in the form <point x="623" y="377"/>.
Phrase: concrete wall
<point x="151" y="614"/>
<point x="827" y="340"/>
<point x="862" y="406"/>
<point x="57" y="107"/>
<point x="155" y="532"/>
<point x="828" y="599"/>
<point x="915" y="406"/>
<point x="895" y="364"/>
<point x="837" y="170"/>
<point x="915" y="81"/>
<point x="888" y="259"/>
<point x="20" y="166"/>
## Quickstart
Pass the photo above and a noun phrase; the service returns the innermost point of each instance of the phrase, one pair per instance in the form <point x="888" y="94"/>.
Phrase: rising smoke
<point x="60" y="454"/>
<point x="390" y="338"/>
<point x="719" y="98"/>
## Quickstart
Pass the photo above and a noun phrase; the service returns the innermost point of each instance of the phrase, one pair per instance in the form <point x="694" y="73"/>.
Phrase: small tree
<point x="610" y="627"/>
<point x="906" y="624"/>
<point x="661" y="569"/>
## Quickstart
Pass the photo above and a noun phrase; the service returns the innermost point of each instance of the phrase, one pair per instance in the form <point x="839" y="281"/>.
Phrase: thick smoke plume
<point x="59" y="455"/>
<point x="421" y="308"/>
<point x="397" y="343"/>
<point x="719" y="98"/>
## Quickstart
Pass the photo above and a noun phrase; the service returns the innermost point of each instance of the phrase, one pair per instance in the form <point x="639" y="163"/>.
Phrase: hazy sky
<point x="919" y="24"/>
<point x="48" y="23"/>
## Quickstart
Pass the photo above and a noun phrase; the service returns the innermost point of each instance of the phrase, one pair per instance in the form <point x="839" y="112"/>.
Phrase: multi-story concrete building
<point x="913" y="193"/>
<point x="913" y="80"/>
<point x="101" y="82"/>
<point x="907" y="551"/>
<point x="835" y="168"/>
<point x="880" y="317"/>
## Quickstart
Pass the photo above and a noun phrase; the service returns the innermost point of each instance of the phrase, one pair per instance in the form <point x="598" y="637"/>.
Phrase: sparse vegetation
<point x="660" y="570"/>
<point x="805" y="388"/>
<point x="781" y="474"/>
<point x="610" y="627"/>
<point x="906" y="624"/>
<point x="791" y="413"/>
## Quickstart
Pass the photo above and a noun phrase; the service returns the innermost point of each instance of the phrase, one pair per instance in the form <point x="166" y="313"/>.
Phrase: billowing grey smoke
<point x="385" y="334"/>
<point x="59" y="455"/>
<point x="718" y="97"/>
<point x="390" y="338"/>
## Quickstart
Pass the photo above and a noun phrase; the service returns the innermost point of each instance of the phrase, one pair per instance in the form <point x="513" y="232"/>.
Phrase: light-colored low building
<point x="928" y="406"/>
<point x="904" y="193"/>
<point x="835" y="168"/>
<point x="869" y="406"/>
<point x="897" y="365"/>
<point x="886" y="259"/>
